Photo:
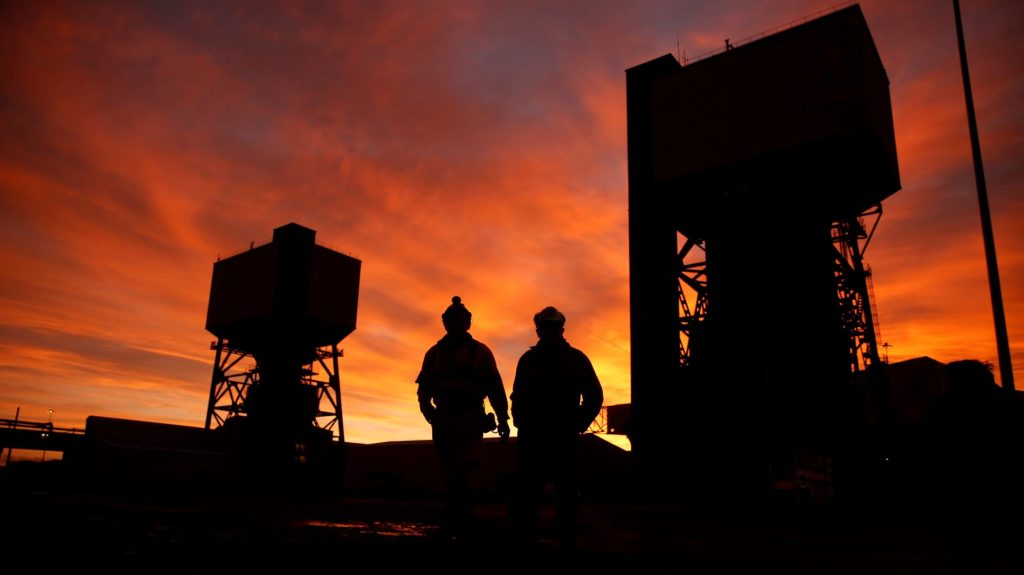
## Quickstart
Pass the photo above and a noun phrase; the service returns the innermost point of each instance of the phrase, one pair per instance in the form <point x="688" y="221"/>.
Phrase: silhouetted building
<point x="279" y="311"/>
<point x="617" y="418"/>
<point x="126" y="452"/>
<point x="754" y="175"/>
<point x="410" y="469"/>
<point x="896" y="400"/>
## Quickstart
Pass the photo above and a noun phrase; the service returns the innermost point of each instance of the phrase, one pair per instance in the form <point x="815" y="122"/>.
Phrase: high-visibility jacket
<point x="556" y="390"/>
<point x="458" y="373"/>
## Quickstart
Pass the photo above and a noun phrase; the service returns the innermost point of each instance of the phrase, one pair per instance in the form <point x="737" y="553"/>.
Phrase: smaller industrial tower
<point x="279" y="311"/>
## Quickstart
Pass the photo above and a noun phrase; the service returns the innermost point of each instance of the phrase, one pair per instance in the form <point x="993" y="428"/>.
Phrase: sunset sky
<point x="472" y="148"/>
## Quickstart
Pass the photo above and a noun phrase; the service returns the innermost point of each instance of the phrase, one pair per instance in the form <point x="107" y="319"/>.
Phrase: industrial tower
<point x="756" y="177"/>
<point x="279" y="311"/>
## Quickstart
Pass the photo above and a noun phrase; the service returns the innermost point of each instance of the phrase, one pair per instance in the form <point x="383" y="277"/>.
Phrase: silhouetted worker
<point x="975" y="428"/>
<point x="555" y="397"/>
<point x="458" y="372"/>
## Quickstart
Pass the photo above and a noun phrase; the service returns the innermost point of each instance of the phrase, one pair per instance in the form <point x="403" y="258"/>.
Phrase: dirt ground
<point x="51" y="527"/>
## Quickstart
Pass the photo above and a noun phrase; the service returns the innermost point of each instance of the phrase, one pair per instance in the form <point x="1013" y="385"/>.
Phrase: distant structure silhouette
<point x="458" y="373"/>
<point x="756" y="178"/>
<point x="555" y="398"/>
<point x="977" y="467"/>
<point x="279" y="311"/>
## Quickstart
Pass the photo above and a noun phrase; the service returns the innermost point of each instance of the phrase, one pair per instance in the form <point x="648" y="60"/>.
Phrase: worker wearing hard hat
<point x="555" y="397"/>
<point x="458" y="373"/>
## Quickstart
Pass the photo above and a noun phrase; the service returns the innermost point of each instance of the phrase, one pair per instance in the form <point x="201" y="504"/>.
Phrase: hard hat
<point x="549" y="315"/>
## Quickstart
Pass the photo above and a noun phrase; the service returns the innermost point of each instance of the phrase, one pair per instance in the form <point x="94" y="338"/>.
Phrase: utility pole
<point x="48" y="434"/>
<point x="17" y="413"/>
<point x="995" y="292"/>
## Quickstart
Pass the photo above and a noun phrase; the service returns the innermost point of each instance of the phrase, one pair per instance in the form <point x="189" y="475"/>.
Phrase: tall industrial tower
<point x="755" y="177"/>
<point x="279" y="311"/>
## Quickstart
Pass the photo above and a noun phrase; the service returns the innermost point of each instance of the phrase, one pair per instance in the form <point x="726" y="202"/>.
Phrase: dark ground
<point x="50" y="526"/>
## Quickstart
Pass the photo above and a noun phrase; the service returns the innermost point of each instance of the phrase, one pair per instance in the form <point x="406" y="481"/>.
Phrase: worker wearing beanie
<point x="458" y="373"/>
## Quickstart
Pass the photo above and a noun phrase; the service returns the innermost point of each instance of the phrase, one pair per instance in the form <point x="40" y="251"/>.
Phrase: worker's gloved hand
<point x="503" y="430"/>
<point x="428" y="413"/>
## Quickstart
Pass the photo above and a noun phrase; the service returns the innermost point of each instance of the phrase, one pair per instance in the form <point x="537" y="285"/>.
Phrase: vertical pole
<point x="49" y="433"/>
<point x="336" y="384"/>
<point x="995" y="292"/>
<point x="17" y="413"/>
<point x="217" y="378"/>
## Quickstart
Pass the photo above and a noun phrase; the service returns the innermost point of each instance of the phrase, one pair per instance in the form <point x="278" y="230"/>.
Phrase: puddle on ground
<point x="379" y="528"/>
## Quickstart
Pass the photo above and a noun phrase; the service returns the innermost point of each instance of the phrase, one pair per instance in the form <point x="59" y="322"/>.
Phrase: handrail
<point x="729" y="46"/>
<point x="44" y="426"/>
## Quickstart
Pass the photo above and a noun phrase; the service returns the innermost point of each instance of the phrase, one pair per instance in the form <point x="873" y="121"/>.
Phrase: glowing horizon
<point x="455" y="148"/>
